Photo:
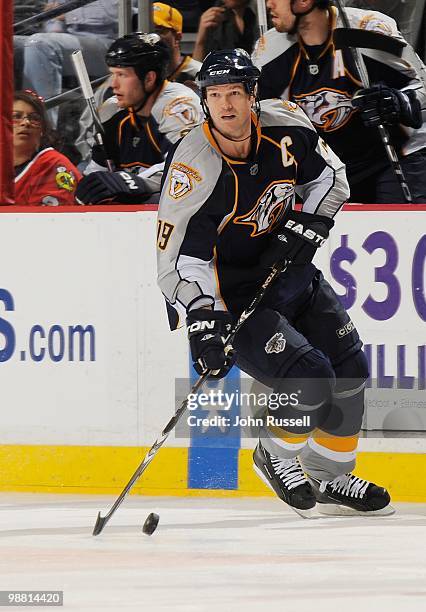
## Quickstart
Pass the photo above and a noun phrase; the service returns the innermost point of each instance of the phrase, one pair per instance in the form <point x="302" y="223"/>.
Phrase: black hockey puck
<point x="151" y="523"/>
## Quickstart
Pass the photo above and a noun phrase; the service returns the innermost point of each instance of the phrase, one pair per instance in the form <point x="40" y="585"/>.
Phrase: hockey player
<point x="226" y="216"/>
<point x="299" y="62"/>
<point x="144" y="118"/>
<point x="168" y="24"/>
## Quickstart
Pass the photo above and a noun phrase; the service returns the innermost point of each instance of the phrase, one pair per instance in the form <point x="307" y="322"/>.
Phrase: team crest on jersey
<point x="373" y="23"/>
<point x="182" y="179"/>
<point x="269" y="208"/>
<point x="183" y="109"/>
<point x="65" y="179"/>
<point x="290" y="106"/>
<point x="276" y="344"/>
<point x="328" y="109"/>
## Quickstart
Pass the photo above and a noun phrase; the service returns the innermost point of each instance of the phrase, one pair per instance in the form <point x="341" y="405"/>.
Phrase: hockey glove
<point x="207" y="332"/>
<point x="297" y="238"/>
<point x="98" y="187"/>
<point x="383" y="105"/>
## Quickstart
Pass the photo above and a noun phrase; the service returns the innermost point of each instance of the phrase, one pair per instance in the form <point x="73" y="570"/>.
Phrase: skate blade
<point x="310" y="513"/>
<point x="339" y="510"/>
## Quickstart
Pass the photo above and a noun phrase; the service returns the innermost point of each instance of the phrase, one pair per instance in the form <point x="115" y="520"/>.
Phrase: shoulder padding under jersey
<point x="277" y="112"/>
<point x="108" y="109"/>
<point x="177" y="110"/>
<point x="270" y="46"/>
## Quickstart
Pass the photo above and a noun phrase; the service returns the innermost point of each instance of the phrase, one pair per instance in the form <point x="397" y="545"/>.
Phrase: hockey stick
<point x="101" y="521"/>
<point x="262" y="17"/>
<point x="86" y="88"/>
<point x="384" y="133"/>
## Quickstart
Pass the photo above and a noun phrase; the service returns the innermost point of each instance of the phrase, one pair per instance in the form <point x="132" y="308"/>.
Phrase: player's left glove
<point x="297" y="238"/>
<point x="384" y="105"/>
<point x="207" y="332"/>
<point x="103" y="187"/>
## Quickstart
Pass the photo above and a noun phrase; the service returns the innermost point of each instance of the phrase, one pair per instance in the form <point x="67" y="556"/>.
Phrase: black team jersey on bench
<point x="323" y="80"/>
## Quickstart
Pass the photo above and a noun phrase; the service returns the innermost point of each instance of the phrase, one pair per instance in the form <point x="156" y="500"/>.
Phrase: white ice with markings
<point x="211" y="555"/>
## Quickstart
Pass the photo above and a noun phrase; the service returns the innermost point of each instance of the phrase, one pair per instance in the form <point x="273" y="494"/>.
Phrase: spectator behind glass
<point x="230" y="24"/>
<point x="47" y="56"/>
<point x="22" y="9"/>
<point x="43" y="176"/>
<point x="191" y="11"/>
<point x="168" y="24"/>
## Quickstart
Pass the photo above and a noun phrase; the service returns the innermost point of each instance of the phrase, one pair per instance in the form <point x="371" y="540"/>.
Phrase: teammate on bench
<point x="300" y="62"/>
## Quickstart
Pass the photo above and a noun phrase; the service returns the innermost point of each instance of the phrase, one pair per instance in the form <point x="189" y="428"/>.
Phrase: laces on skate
<point x="347" y="484"/>
<point x="289" y="471"/>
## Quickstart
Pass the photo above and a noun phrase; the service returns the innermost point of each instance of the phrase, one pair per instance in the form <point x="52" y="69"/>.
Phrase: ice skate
<point x="286" y="478"/>
<point x="348" y="495"/>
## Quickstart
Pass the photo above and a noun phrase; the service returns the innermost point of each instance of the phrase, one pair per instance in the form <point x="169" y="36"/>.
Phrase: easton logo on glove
<point x="308" y="234"/>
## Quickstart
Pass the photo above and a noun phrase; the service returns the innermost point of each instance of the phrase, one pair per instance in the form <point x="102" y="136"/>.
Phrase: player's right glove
<point x="207" y="332"/>
<point x="380" y="104"/>
<point x="297" y="238"/>
<point x="98" y="187"/>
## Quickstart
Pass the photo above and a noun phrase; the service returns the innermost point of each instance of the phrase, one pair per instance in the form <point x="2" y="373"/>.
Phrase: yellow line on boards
<point x="106" y="470"/>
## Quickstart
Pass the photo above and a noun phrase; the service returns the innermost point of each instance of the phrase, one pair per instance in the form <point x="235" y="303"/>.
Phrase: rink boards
<point x="88" y="366"/>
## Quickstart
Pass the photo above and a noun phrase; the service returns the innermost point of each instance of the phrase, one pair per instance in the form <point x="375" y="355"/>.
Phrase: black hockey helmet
<point x="228" y="66"/>
<point x="141" y="51"/>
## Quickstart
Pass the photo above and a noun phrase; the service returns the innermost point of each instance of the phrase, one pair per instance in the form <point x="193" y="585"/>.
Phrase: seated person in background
<point x="47" y="56"/>
<point x="168" y="24"/>
<point x="191" y="11"/>
<point x="43" y="176"/>
<point x="230" y="24"/>
<point x="146" y="116"/>
<point x="22" y="9"/>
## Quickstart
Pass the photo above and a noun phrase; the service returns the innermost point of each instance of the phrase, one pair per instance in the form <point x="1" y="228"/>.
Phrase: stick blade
<point x="99" y="525"/>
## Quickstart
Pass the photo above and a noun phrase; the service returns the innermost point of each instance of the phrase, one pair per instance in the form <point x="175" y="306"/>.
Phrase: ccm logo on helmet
<point x="216" y="72"/>
<point x="201" y="325"/>
<point x="309" y="234"/>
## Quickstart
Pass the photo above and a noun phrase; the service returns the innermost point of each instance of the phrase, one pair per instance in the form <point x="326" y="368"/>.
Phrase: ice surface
<point x="212" y="555"/>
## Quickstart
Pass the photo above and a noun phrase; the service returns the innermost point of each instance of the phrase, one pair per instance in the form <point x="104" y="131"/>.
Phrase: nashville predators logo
<point x="276" y="344"/>
<point x="184" y="110"/>
<point x="182" y="179"/>
<point x="269" y="208"/>
<point x="373" y="23"/>
<point x="328" y="109"/>
<point x="65" y="179"/>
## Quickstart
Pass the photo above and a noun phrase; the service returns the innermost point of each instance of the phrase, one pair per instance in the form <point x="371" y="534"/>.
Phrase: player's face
<point x="127" y="87"/>
<point x="282" y="16"/>
<point x="27" y="126"/>
<point x="230" y="108"/>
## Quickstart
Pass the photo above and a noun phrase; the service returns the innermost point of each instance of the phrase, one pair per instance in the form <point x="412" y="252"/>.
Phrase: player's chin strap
<point x="147" y="95"/>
